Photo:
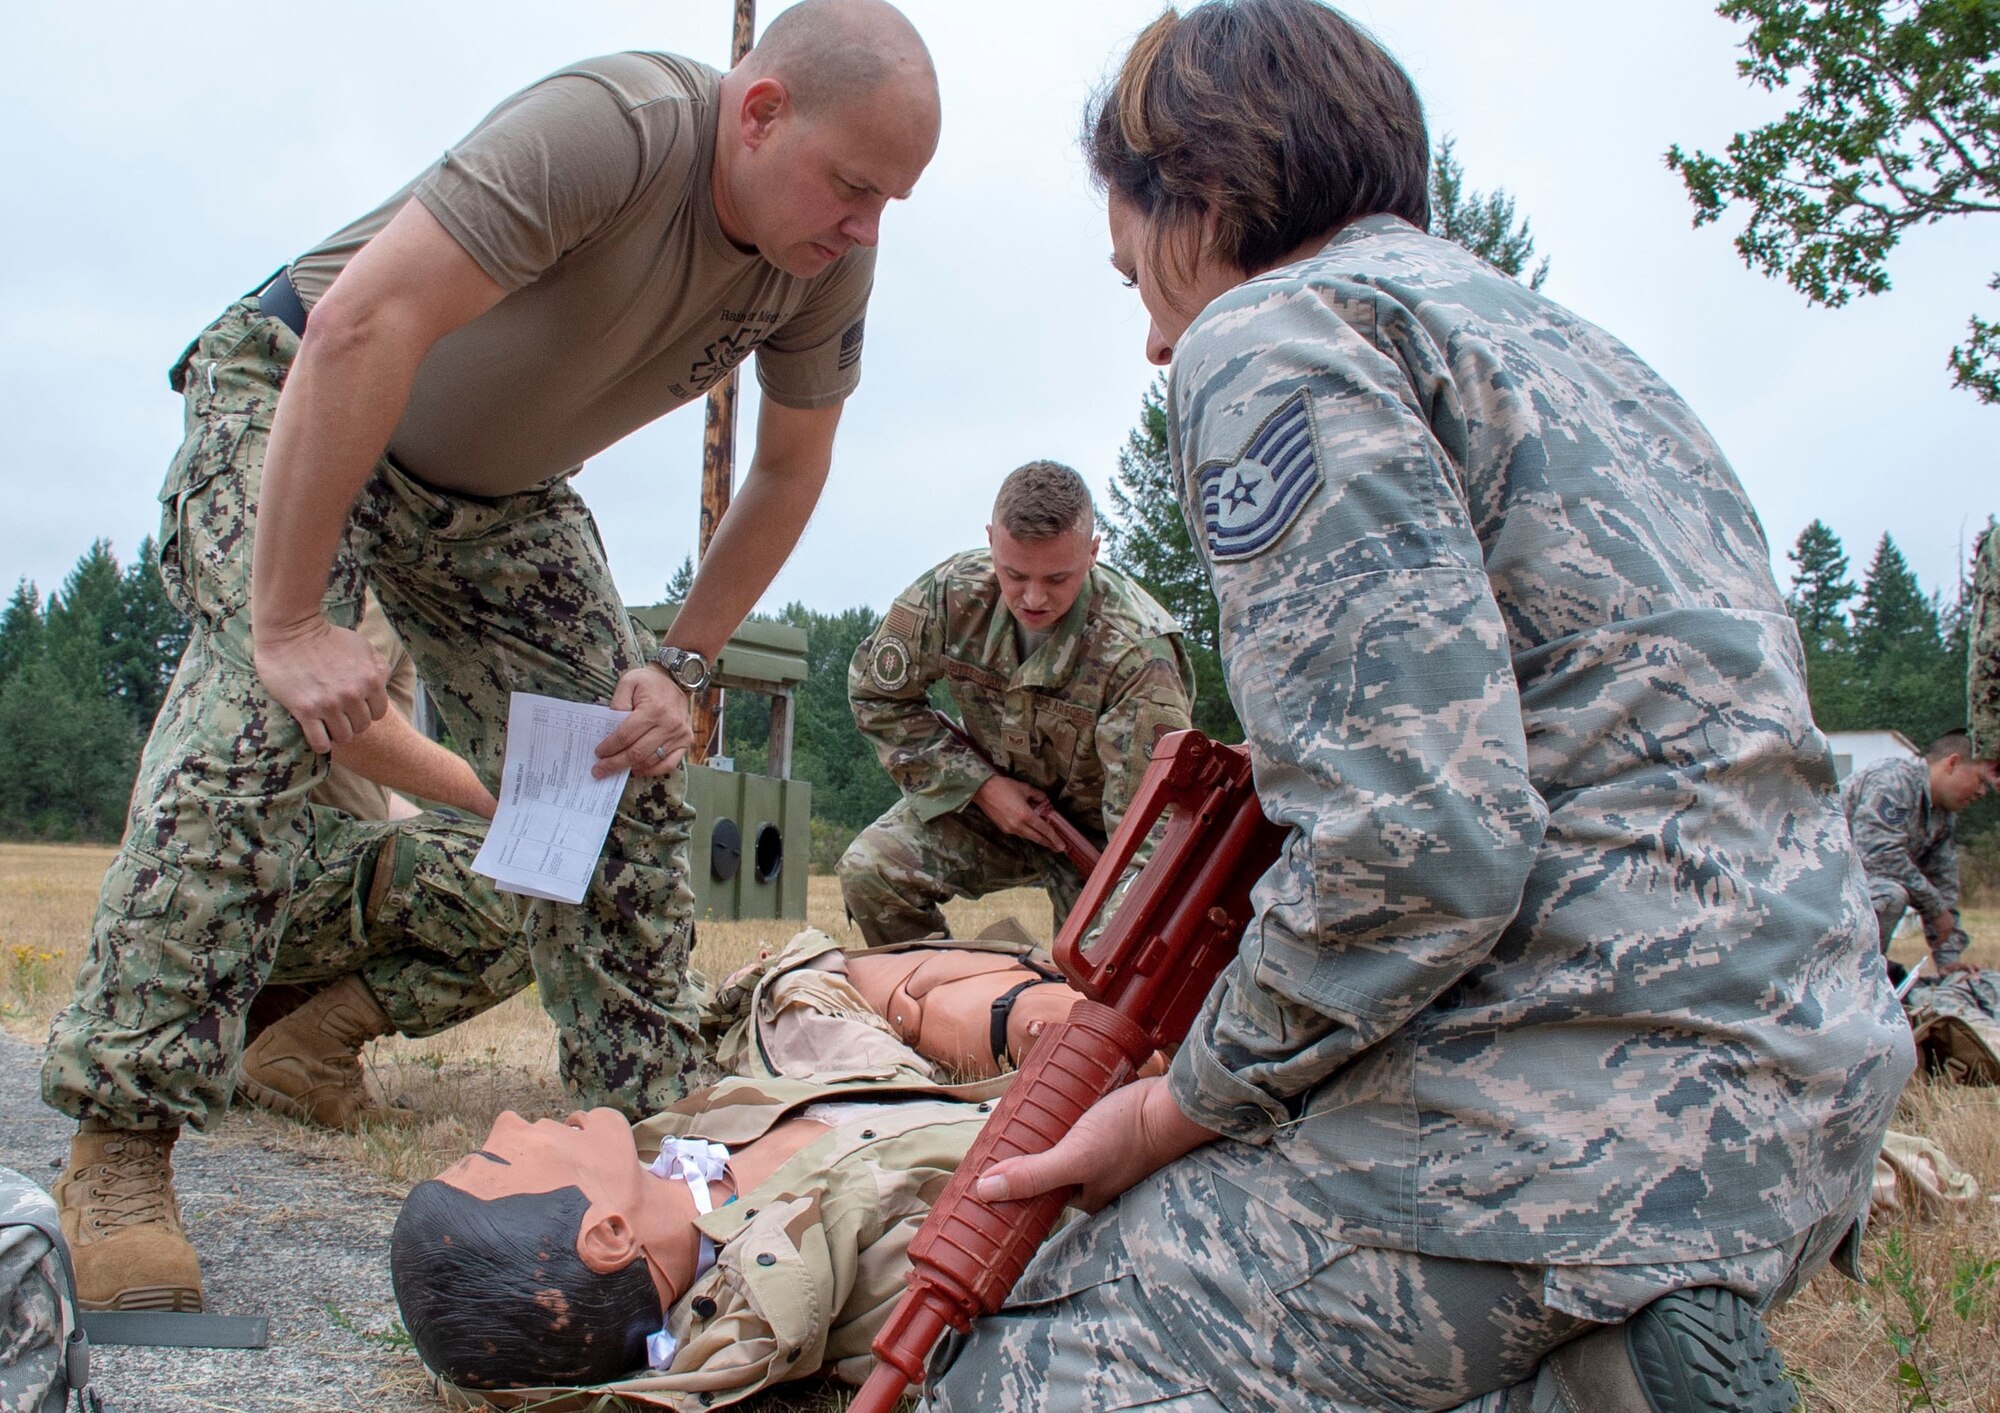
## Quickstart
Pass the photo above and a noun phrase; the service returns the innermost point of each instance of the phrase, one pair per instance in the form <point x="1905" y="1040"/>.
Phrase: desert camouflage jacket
<point x="1983" y="674"/>
<point x="1902" y="836"/>
<point x="1076" y="720"/>
<point x="1568" y="957"/>
<point x="811" y="1260"/>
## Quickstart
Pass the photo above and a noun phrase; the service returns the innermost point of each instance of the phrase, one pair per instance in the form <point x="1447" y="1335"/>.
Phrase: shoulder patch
<point x="889" y="663"/>
<point x="850" y="345"/>
<point x="1248" y="502"/>
<point x="901" y="622"/>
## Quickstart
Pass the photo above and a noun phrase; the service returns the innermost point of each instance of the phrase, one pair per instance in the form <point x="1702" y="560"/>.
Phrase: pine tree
<point x="20" y="631"/>
<point x="1908" y="681"/>
<point x="1894" y="615"/>
<point x="850" y="788"/>
<point x="1482" y="222"/>
<point x="1147" y="537"/>
<point x="81" y="620"/>
<point x="146" y="640"/>
<point x="1818" y="603"/>
<point x="1820" y="587"/>
<point x="681" y="582"/>
<point x="66" y="759"/>
<point x="68" y="744"/>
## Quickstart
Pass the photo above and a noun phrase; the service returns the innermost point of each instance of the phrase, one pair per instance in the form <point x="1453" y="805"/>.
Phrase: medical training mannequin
<point x="613" y="1243"/>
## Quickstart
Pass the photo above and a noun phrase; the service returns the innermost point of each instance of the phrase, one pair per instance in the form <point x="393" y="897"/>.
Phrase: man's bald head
<point x="831" y="53"/>
<point x="832" y="116"/>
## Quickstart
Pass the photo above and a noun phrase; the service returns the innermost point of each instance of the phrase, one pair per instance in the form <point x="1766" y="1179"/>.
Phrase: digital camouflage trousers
<point x="1213" y="1286"/>
<point x="900" y="868"/>
<point x="396" y="902"/>
<point x="491" y="596"/>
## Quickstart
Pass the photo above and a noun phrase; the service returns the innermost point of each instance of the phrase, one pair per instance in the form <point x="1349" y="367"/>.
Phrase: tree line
<point x="83" y="671"/>
<point x="81" y="677"/>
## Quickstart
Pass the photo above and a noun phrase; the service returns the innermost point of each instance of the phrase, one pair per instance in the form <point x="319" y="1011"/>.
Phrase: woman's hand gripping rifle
<point x="1144" y="979"/>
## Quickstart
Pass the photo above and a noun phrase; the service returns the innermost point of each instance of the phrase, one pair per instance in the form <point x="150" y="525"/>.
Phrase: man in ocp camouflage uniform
<point x="1901" y="813"/>
<point x="408" y="401"/>
<point x="1561" y="1005"/>
<point x="1065" y="673"/>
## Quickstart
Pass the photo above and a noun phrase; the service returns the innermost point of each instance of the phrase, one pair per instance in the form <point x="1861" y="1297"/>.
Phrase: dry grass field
<point x="1925" y="1333"/>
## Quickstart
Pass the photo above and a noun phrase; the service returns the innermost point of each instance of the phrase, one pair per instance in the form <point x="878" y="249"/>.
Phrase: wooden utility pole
<point x="718" y="458"/>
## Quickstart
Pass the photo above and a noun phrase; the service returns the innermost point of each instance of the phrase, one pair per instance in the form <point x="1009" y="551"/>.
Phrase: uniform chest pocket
<point x="982" y="707"/>
<point x="1060" y="733"/>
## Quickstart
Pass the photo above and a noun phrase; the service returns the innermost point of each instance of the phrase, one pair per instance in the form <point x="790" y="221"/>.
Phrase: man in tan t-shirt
<point x="413" y="395"/>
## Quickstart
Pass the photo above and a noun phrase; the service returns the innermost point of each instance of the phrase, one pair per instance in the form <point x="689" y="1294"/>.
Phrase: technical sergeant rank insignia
<point x="1247" y="503"/>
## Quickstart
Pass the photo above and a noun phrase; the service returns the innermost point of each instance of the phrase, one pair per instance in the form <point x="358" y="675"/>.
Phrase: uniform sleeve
<point x="1368" y="661"/>
<point x="548" y="169"/>
<point x="814" y="359"/>
<point x="1889" y="801"/>
<point x="1982" y="680"/>
<point x="888" y="686"/>
<point x="1153" y="695"/>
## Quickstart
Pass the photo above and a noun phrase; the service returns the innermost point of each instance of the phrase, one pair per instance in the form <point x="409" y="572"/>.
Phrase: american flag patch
<point x="850" y="345"/>
<point x="1246" y="504"/>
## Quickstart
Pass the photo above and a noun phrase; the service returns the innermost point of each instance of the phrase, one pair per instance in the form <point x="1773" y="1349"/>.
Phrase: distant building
<point x="1854" y="749"/>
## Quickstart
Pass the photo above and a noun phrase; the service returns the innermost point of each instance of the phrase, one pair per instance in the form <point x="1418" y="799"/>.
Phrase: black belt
<point x="278" y="300"/>
<point x="996" y="1024"/>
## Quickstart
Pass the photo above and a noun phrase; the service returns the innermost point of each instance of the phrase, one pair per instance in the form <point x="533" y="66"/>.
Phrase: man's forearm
<point x="341" y="403"/>
<point x="752" y="543"/>
<point x="396" y="755"/>
<point x="761" y="527"/>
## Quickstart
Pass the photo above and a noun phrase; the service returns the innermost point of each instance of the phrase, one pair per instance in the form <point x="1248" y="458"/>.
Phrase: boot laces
<point x="132" y="1186"/>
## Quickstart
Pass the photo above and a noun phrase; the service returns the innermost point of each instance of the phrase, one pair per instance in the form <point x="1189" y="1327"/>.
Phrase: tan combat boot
<point x="307" y="1066"/>
<point x="118" y="1209"/>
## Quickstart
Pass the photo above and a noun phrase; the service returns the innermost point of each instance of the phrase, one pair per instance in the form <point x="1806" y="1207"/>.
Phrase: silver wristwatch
<point x="688" y="669"/>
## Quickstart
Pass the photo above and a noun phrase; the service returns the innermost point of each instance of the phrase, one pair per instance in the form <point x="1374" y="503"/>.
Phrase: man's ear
<point x="764" y="103"/>
<point x="607" y="1244"/>
<point x="1094" y="541"/>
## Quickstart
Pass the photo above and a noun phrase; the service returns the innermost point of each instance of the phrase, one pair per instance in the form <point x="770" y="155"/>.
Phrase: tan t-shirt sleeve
<point x="550" y="168"/>
<point x="814" y="358"/>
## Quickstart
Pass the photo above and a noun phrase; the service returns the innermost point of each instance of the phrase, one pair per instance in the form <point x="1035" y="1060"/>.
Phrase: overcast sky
<point x="162" y="159"/>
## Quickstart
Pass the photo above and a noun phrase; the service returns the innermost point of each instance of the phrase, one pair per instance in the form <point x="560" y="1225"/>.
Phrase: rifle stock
<point x="1077" y="848"/>
<point x="1144" y="979"/>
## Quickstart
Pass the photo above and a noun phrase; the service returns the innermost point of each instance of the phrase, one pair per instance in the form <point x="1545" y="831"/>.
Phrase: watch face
<point x="688" y="669"/>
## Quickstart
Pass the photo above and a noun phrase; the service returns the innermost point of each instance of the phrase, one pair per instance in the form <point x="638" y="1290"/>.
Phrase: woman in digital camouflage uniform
<point x="1557" y="1044"/>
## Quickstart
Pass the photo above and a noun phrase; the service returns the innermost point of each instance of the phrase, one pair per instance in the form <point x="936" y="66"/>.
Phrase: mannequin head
<point x="545" y="1258"/>
<point x="494" y="1295"/>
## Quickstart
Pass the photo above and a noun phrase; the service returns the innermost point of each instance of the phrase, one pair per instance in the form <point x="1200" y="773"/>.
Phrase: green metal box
<point x="752" y="845"/>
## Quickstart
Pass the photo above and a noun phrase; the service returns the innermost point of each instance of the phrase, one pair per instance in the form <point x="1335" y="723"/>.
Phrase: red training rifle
<point x="1143" y="980"/>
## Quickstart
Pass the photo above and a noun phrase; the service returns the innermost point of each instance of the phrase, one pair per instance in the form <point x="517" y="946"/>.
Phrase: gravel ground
<point x="304" y="1242"/>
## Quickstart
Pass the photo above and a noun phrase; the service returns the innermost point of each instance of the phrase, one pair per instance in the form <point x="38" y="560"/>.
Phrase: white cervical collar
<point x="697" y="1164"/>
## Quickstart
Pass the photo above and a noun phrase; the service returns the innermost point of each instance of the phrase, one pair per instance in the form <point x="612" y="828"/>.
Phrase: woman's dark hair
<point x="1282" y="118"/>
<point x="495" y="1296"/>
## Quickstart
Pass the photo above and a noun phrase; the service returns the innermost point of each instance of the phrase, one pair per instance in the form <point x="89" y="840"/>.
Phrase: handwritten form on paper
<point x="550" y="828"/>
